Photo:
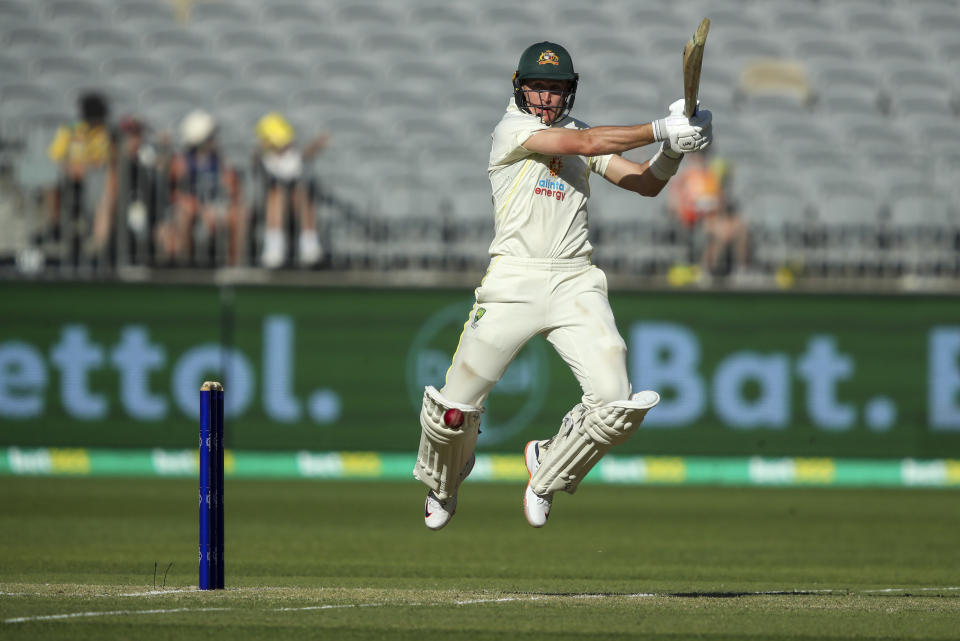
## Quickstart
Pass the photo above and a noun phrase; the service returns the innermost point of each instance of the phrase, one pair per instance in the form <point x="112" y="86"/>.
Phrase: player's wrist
<point x="665" y="163"/>
<point x="667" y="151"/>
<point x="660" y="130"/>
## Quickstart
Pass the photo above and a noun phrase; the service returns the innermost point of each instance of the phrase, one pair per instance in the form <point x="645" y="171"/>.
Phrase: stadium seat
<point x="801" y="22"/>
<point x="218" y="16"/>
<point x="277" y="73"/>
<point x="944" y="22"/>
<point x="390" y="44"/>
<point x="26" y="42"/>
<point x="891" y="49"/>
<point x="245" y="44"/>
<point x="245" y="105"/>
<point x="17" y="100"/>
<point x="123" y="99"/>
<point x="174" y="42"/>
<point x="440" y="16"/>
<point x="144" y="15"/>
<point x="819" y="52"/>
<point x="136" y="72"/>
<point x="287" y="15"/>
<point x="818" y="154"/>
<point x="507" y="16"/>
<point x="62" y="68"/>
<point x="663" y="19"/>
<point x="592" y="19"/>
<point x="103" y="41"/>
<point x="866" y="22"/>
<point x="847" y="75"/>
<point x="12" y="70"/>
<point x="460" y="44"/>
<point x="313" y="42"/>
<point x="851" y="103"/>
<point x="172" y="99"/>
<point x="911" y="78"/>
<point x="740" y="50"/>
<point x="203" y="73"/>
<point x="322" y="100"/>
<point x="15" y="10"/>
<point x="69" y="14"/>
<point x="349" y="73"/>
<point x="910" y="107"/>
<point x="363" y="15"/>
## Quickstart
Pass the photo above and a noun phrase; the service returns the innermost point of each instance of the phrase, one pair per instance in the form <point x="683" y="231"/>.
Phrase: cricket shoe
<point x="536" y="507"/>
<point x="437" y="513"/>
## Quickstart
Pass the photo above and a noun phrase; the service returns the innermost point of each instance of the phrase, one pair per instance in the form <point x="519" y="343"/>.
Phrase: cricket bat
<point x="692" y="60"/>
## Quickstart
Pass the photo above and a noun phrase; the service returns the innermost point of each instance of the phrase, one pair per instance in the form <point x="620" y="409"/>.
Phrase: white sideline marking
<point x="534" y="597"/>
<point x="74" y="615"/>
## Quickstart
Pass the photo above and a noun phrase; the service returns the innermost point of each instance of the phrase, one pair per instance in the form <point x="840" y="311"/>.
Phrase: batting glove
<point x="682" y="134"/>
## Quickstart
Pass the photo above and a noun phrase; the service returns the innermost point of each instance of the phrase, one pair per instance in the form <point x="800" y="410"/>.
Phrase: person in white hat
<point x="204" y="187"/>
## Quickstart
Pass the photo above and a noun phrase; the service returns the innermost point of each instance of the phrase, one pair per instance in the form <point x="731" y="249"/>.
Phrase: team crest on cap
<point x="548" y="58"/>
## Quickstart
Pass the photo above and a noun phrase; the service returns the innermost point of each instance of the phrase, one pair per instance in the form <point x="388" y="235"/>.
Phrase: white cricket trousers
<point x="565" y="300"/>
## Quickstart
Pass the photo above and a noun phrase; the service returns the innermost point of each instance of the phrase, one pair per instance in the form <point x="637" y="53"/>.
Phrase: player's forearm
<point x="617" y="139"/>
<point x="595" y="141"/>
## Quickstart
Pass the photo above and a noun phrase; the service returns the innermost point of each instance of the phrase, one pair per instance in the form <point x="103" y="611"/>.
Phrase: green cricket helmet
<point x="546" y="61"/>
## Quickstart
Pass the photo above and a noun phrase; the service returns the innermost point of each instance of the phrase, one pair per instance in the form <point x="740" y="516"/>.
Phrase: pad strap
<point x="445" y="447"/>
<point x="573" y="452"/>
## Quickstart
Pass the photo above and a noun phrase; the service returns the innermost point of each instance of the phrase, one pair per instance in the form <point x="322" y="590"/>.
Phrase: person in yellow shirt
<point x="85" y="152"/>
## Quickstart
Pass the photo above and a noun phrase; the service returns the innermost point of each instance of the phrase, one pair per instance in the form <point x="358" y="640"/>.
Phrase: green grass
<point x="353" y="561"/>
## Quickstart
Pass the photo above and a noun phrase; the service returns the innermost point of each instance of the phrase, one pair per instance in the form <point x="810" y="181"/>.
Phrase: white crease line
<point x="74" y="615"/>
<point x="153" y="592"/>
<point x="500" y="600"/>
<point x="333" y="607"/>
<point x="911" y="590"/>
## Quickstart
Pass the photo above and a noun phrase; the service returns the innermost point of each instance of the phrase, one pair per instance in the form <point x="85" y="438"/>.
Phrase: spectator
<point x="203" y="188"/>
<point x="138" y="177"/>
<point x="282" y="165"/>
<point x="694" y="194"/>
<point x="85" y="152"/>
<point x="727" y="238"/>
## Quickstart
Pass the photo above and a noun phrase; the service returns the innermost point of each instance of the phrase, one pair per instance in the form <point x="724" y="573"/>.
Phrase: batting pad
<point x="574" y="452"/>
<point x="444" y="450"/>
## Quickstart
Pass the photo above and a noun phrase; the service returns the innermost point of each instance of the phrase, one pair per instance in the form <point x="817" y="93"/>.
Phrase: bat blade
<point x="692" y="60"/>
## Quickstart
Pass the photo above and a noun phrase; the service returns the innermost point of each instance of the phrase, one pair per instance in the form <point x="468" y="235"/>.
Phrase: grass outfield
<point x="353" y="561"/>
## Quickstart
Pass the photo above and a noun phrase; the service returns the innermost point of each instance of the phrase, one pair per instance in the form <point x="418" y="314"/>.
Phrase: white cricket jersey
<point x="539" y="201"/>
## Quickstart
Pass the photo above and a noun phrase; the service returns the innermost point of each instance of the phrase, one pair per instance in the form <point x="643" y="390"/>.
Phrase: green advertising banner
<point x="368" y="466"/>
<point x="114" y="366"/>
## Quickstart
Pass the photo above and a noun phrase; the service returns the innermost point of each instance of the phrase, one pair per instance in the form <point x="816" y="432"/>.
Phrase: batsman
<point x="540" y="281"/>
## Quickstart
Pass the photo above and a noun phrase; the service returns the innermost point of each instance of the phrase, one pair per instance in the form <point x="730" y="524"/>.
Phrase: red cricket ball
<point x="453" y="417"/>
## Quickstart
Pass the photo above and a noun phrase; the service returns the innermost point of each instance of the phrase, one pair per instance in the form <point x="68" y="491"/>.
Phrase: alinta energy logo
<point x="514" y="402"/>
<point x="549" y="188"/>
